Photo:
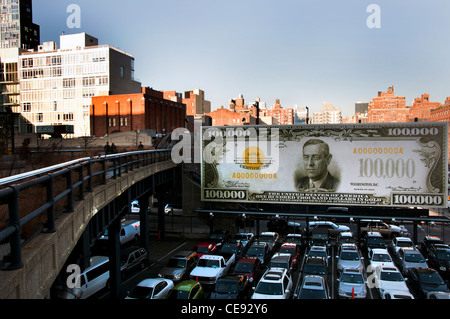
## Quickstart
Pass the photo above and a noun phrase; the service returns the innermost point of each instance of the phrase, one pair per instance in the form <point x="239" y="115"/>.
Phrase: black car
<point x="373" y="240"/>
<point x="428" y="242"/>
<point x="439" y="259"/>
<point x="219" y="236"/>
<point x="425" y="280"/>
<point x="232" y="287"/>
<point x="315" y="265"/>
<point x="133" y="258"/>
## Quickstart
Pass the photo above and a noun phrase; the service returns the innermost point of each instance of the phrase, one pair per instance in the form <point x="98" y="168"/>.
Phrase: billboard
<point x="383" y="165"/>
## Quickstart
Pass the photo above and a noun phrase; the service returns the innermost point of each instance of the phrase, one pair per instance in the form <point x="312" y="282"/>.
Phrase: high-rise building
<point x="387" y="108"/>
<point x="17" y="33"/>
<point x="56" y="85"/>
<point x="16" y="27"/>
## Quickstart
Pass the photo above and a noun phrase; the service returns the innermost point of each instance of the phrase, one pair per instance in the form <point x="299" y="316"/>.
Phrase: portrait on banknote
<point x="392" y="165"/>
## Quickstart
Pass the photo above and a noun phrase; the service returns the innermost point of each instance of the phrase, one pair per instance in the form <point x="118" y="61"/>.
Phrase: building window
<point x="40" y="117"/>
<point x="26" y="107"/>
<point x="121" y="72"/>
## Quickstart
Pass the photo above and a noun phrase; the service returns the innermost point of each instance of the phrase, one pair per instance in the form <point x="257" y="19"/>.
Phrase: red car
<point x="292" y="249"/>
<point x="205" y="248"/>
<point x="249" y="266"/>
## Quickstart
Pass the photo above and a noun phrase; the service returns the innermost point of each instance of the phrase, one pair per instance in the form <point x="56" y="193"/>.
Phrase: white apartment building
<point x="56" y="85"/>
<point x="328" y="115"/>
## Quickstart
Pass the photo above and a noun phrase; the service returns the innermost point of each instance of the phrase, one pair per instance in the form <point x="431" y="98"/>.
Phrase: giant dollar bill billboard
<point x="385" y="165"/>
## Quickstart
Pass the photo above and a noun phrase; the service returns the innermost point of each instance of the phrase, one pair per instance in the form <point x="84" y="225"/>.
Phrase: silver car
<point x="179" y="266"/>
<point x="349" y="257"/>
<point x="352" y="284"/>
<point x="409" y="257"/>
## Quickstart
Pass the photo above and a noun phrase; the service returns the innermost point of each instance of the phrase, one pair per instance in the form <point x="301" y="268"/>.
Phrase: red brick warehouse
<point x="130" y="112"/>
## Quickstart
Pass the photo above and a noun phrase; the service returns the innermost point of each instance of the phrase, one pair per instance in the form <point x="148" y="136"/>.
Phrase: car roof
<point x="185" y="285"/>
<point x="150" y="282"/>
<point x="346" y="234"/>
<point x="313" y="282"/>
<point x="412" y="250"/>
<point x="184" y="254"/>
<point x="281" y="256"/>
<point x="288" y="245"/>
<point x="274" y="274"/>
<point x="380" y="251"/>
<point x="389" y="268"/>
<point x="403" y="239"/>
<point x="352" y="271"/>
<point x="315" y="260"/>
<point x="374" y="234"/>
<point x="348" y="246"/>
<point x="247" y="260"/>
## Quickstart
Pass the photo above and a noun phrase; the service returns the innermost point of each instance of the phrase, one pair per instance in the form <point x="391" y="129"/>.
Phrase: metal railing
<point x="30" y="202"/>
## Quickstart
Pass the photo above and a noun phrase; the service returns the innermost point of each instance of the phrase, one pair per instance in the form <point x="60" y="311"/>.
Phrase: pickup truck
<point x="388" y="231"/>
<point x="129" y="231"/>
<point x="212" y="267"/>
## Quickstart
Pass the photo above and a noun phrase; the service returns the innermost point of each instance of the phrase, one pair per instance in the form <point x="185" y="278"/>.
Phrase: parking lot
<point x="161" y="250"/>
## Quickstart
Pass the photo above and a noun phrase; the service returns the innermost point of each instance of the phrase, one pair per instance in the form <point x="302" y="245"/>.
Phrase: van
<point x="95" y="277"/>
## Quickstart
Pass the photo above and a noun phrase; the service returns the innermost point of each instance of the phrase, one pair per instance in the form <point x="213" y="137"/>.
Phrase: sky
<point x="303" y="52"/>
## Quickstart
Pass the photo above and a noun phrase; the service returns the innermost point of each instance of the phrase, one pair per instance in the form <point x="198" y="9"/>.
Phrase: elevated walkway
<point x="41" y="258"/>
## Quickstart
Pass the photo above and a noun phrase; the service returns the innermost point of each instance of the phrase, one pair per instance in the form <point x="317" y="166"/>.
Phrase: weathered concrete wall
<point x="46" y="254"/>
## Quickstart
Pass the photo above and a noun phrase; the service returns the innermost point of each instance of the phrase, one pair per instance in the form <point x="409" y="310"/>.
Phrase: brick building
<point x="223" y="116"/>
<point x="130" y="112"/>
<point x="387" y="108"/>
<point x="196" y="103"/>
<point x="421" y="108"/>
<point x="441" y="113"/>
<point x="284" y="116"/>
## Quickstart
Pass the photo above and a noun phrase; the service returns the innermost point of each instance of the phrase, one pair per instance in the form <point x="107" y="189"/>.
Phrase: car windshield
<point x="279" y="264"/>
<point x="349" y="255"/>
<point x="255" y="252"/>
<point x="269" y="288"/>
<point x="375" y="241"/>
<point x="202" y="249"/>
<point x="352" y="278"/>
<point x="381" y="257"/>
<point x="314" y="269"/>
<point x="431" y="278"/>
<point x="243" y="267"/>
<point x="346" y="240"/>
<point x="266" y="239"/>
<point x="287" y="251"/>
<point x="391" y="276"/>
<point x="443" y="255"/>
<point x="178" y="294"/>
<point x="141" y="292"/>
<point x="228" y="248"/>
<point x="306" y="293"/>
<point x="208" y="263"/>
<point x="319" y="253"/>
<point x="402" y="243"/>
<point x="176" y="263"/>
<point x="226" y="286"/>
<point x="414" y="258"/>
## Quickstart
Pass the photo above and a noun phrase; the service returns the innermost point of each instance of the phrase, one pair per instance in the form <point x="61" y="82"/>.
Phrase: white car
<point x="274" y="284"/>
<point x="397" y="295"/>
<point x="152" y="288"/>
<point x="380" y="257"/>
<point x="400" y="242"/>
<point x="333" y="229"/>
<point x="389" y="279"/>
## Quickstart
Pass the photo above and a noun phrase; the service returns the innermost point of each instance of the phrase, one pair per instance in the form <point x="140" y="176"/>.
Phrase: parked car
<point x="219" y="236"/>
<point x="349" y="257"/>
<point x="188" y="289"/>
<point x="295" y="239"/>
<point x="388" y="231"/>
<point x="232" y="246"/>
<point x="426" y="280"/>
<point x="294" y="250"/>
<point x="246" y="239"/>
<point x="95" y="277"/>
<point x="389" y="279"/>
<point x="319" y="237"/>
<point x="133" y="258"/>
<point x="259" y="250"/>
<point x="314" y="287"/>
<point x="151" y="288"/>
<point x="345" y="237"/>
<point x="373" y="240"/>
<point x="211" y="267"/>
<point x="352" y="284"/>
<point x="405" y="295"/>
<point x="232" y="287"/>
<point x="281" y="260"/>
<point x="249" y="266"/>
<point x="428" y="242"/>
<point x="179" y="266"/>
<point x="315" y="266"/>
<point x="205" y="248"/>
<point x="276" y="283"/>
<point x="319" y="251"/>
<point x="439" y="259"/>
<point x="438" y="295"/>
<point x="398" y="243"/>
<point x="271" y="238"/>
<point x="408" y="258"/>
<point x="333" y="229"/>
<point x="379" y="257"/>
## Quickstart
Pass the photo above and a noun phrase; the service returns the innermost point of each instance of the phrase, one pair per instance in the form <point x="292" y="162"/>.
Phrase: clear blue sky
<point x="303" y="52"/>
